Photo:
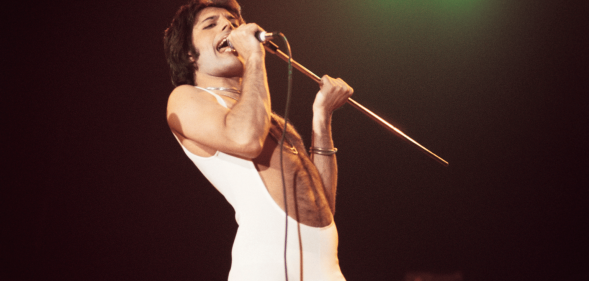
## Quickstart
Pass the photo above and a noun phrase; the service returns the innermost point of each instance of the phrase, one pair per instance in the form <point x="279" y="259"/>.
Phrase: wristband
<point x="323" y="151"/>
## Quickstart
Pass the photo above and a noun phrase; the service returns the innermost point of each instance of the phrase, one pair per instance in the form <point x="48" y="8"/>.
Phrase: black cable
<point x="281" y="143"/>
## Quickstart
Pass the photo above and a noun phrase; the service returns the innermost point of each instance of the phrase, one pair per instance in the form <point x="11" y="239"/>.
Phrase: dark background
<point x="96" y="188"/>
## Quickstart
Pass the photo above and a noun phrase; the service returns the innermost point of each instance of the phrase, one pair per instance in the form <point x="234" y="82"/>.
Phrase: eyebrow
<point x="209" y="18"/>
<point x="214" y="17"/>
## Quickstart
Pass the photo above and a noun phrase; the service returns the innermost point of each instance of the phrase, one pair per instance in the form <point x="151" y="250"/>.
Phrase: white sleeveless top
<point x="258" y="249"/>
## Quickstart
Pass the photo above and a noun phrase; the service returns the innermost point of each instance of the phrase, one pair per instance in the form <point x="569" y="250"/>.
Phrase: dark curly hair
<point x="178" y="38"/>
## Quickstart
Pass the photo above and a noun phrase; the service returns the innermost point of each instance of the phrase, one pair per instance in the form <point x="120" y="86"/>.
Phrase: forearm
<point x="326" y="164"/>
<point x="250" y="117"/>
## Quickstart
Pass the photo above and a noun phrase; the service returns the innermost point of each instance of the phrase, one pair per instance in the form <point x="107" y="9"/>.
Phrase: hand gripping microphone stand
<point x="273" y="48"/>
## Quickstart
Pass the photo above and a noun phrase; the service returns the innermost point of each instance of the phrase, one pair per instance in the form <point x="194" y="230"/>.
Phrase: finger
<point x="326" y="79"/>
<point x="345" y="86"/>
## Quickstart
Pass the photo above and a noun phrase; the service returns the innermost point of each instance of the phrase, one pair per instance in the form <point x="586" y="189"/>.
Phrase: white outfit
<point x="258" y="249"/>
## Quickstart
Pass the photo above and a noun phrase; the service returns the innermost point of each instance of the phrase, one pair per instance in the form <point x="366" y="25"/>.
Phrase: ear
<point x="191" y="57"/>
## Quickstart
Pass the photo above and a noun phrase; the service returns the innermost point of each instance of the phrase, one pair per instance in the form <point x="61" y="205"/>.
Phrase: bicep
<point x="198" y="116"/>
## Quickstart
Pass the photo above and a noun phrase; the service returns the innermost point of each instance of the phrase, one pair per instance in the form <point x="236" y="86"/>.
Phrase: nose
<point x="227" y="24"/>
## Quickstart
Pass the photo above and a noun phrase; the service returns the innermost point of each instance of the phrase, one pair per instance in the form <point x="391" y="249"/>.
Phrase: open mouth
<point x="223" y="46"/>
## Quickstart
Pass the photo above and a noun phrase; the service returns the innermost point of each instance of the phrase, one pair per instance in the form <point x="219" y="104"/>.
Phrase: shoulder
<point x="183" y="91"/>
<point x="188" y="104"/>
<point x="188" y="94"/>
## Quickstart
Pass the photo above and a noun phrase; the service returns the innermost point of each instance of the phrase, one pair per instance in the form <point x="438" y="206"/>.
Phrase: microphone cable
<point x="281" y="144"/>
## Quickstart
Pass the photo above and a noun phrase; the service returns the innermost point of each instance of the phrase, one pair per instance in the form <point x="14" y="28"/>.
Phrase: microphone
<point x="262" y="36"/>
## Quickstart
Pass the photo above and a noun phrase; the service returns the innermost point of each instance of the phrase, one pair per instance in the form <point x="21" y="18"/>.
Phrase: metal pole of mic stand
<point x="273" y="48"/>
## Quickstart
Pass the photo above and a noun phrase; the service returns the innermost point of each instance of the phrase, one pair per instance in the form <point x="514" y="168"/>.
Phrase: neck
<point x="203" y="80"/>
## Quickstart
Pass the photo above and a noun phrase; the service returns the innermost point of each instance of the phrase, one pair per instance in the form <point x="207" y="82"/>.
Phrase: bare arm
<point x="240" y="130"/>
<point x="333" y="94"/>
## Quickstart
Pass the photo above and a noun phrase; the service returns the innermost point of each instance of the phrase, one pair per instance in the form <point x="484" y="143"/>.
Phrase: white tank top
<point x="258" y="249"/>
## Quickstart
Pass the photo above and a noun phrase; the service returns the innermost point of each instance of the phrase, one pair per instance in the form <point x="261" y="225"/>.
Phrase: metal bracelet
<point x="323" y="151"/>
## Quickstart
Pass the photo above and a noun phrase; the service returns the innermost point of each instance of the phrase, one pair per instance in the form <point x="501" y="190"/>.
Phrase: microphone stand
<point x="273" y="48"/>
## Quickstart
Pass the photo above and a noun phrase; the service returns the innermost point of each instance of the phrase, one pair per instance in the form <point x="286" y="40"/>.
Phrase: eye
<point x="210" y="26"/>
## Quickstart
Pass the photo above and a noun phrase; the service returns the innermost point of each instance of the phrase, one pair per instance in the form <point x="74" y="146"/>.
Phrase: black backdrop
<point x="96" y="188"/>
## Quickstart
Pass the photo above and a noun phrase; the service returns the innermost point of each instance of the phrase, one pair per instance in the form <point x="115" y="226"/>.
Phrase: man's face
<point x="211" y="27"/>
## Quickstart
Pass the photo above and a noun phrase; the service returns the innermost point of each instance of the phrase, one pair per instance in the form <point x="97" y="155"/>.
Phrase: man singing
<point x="221" y="115"/>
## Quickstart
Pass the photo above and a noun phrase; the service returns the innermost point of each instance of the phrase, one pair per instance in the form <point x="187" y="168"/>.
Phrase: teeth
<point x="224" y="47"/>
<point x="222" y="43"/>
